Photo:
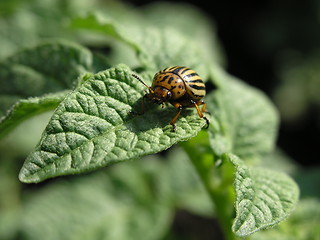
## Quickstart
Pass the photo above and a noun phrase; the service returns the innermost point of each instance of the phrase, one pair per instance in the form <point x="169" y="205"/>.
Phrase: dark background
<point x="254" y="34"/>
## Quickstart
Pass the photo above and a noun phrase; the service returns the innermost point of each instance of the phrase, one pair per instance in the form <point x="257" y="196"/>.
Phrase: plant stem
<point x="218" y="182"/>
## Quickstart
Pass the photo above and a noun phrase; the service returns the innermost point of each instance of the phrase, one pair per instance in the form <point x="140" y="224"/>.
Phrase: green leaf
<point x="247" y="120"/>
<point x="26" y="108"/>
<point x="22" y="140"/>
<point x="302" y="224"/>
<point x="129" y="201"/>
<point x="9" y="194"/>
<point x="299" y="85"/>
<point x="19" y="82"/>
<point x="60" y="62"/>
<point x="34" y="80"/>
<point x="263" y="197"/>
<point x="280" y="161"/>
<point x="93" y="128"/>
<point x="157" y="45"/>
<point x="25" y="23"/>
<point x="308" y="180"/>
<point x="201" y="30"/>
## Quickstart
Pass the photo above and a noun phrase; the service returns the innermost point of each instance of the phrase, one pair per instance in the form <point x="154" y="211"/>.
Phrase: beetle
<point x="180" y="86"/>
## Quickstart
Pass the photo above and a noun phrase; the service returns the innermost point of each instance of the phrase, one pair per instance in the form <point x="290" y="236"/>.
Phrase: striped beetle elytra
<point x="180" y="86"/>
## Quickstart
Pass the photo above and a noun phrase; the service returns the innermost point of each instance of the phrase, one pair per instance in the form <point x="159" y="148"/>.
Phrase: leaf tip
<point x="25" y="176"/>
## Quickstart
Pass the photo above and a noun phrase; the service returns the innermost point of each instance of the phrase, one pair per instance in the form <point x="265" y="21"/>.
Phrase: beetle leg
<point x="200" y="112"/>
<point x="198" y="109"/>
<point x="207" y="122"/>
<point x="174" y="119"/>
<point x="204" y="106"/>
<point x="143" y="108"/>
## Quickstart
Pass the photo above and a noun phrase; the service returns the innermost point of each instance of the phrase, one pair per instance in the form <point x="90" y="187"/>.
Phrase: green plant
<point x="93" y="127"/>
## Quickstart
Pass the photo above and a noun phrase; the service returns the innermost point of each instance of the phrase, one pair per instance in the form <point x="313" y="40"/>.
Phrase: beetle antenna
<point x="136" y="77"/>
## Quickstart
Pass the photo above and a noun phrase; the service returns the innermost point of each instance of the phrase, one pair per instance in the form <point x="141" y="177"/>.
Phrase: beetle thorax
<point x="160" y="95"/>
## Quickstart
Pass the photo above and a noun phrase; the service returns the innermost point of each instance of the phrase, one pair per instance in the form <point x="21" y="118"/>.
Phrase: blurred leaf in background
<point x="168" y="42"/>
<point x="14" y="149"/>
<point x="298" y="92"/>
<point x="24" y="23"/>
<point x="118" y="204"/>
<point x="31" y="82"/>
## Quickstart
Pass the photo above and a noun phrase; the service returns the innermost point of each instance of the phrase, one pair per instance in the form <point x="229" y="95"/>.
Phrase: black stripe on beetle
<point x="198" y="87"/>
<point x="195" y="81"/>
<point x="185" y="69"/>
<point x="191" y="75"/>
<point x="178" y="69"/>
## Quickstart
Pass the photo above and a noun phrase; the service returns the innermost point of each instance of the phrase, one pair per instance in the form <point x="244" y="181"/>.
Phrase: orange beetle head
<point x="160" y="95"/>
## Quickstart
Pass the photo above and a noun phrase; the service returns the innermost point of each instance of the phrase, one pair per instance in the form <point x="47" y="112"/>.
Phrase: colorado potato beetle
<point x="180" y="86"/>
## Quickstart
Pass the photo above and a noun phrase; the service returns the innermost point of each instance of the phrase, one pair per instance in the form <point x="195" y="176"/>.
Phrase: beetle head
<point x="160" y="95"/>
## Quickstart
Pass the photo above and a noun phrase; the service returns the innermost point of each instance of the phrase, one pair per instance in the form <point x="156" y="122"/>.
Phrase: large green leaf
<point x="263" y="197"/>
<point x="247" y="120"/>
<point x="93" y="127"/>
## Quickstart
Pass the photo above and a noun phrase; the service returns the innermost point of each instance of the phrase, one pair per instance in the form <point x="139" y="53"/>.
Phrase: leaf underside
<point x="94" y="127"/>
<point x="263" y="197"/>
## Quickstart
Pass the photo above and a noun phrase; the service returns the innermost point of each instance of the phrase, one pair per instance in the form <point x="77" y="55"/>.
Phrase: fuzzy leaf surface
<point x="94" y="127"/>
<point x="263" y="197"/>
<point x="302" y="224"/>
